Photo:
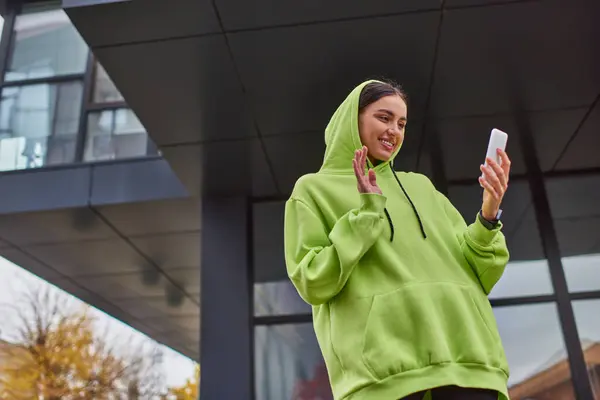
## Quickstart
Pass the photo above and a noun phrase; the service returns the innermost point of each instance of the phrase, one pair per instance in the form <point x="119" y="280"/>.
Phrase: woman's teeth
<point x="387" y="143"/>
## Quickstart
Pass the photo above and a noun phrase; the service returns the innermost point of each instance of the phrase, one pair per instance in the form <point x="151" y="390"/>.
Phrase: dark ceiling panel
<point x="188" y="279"/>
<point x="75" y="224"/>
<point x="146" y="218"/>
<point x="464" y="140"/>
<point x="188" y="322"/>
<point x="226" y="168"/>
<point x="495" y="59"/>
<point x="574" y="197"/>
<point x="296" y="77"/>
<point x="463" y="3"/>
<point x="90" y="257"/>
<point x="127" y="286"/>
<point x="150" y="307"/>
<point x="583" y="151"/>
<point x="143" y="21"/>
<point x="173" y="250"/>
<point x="30" y="264"/>
<point x="577" y="236"/>
<point x="243" y="15"/>
<point x="183" y="91"/>
<point x="294" y="155"/>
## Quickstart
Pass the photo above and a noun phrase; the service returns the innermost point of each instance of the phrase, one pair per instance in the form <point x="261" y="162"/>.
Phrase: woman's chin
<point x="382" y="156"/>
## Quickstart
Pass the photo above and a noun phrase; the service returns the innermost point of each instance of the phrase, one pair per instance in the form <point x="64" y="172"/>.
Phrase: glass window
<point x="523" y="278"/>
<point x="115" y="134"/>
<point x="274" y="294"/>
<point x="574" y="205"/>
<point x="45" y="44"/>
<point x="288" y="363"/>
<point x="535" y="350"/>
<point x="39" y="124"/>
<point x="105" y="90"/>
<point x="278" y="298"/>
<point x="588" y="326"/>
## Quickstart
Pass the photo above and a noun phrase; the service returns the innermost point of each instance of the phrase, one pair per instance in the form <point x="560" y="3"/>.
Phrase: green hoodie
<point x="394" y="313"/>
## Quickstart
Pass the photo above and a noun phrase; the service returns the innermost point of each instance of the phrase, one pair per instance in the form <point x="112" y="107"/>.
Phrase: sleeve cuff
<point x="490" y="225"/>
<point x="373" y="202"/>
<point x="480" y="233"/>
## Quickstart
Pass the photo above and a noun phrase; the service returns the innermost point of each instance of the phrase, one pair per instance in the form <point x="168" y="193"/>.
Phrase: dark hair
<point x="376" y="90"/>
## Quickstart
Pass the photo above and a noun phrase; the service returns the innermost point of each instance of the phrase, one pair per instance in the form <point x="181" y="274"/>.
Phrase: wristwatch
<point x="490" y="224"/>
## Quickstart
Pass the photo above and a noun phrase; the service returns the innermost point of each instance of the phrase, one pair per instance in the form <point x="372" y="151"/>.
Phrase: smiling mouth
<point x="387" y="144"/>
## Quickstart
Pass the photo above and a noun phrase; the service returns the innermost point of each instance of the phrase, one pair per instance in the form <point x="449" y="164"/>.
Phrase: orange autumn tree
<point x="189" y="391"/>
<point x="54" y="354"/>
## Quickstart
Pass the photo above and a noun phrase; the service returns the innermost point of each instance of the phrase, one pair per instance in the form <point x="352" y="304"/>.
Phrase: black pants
<point x="456" y="393"/>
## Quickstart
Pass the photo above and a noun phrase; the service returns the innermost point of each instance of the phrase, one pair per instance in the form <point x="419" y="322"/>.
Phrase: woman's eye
<point x="384" y="118"/>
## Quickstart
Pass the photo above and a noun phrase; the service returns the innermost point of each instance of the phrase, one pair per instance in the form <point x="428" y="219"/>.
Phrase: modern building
<point x="159" y="198"/>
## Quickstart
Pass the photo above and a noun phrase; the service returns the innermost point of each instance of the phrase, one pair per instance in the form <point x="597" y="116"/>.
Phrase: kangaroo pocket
<point x="426" y="324"/>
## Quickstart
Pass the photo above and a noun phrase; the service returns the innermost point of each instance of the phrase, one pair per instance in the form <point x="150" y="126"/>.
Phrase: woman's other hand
<point x="494" y="181"/>
<point x="366" y="183"/>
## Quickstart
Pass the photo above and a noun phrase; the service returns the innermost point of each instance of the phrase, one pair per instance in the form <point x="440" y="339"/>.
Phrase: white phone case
<point x="498" y="140"/>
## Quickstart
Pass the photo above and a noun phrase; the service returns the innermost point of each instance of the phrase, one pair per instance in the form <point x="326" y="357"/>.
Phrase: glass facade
<point x="58" y="105"/>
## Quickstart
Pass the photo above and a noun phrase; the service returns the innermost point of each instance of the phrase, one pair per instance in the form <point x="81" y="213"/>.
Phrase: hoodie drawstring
<point x="387" y="214"/>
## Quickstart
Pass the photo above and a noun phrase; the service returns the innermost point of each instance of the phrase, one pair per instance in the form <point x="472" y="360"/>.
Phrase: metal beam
<point x="225" y="351"/>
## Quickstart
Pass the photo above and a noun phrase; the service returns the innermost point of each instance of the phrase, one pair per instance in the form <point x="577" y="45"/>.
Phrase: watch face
<point x="499" y="215"/>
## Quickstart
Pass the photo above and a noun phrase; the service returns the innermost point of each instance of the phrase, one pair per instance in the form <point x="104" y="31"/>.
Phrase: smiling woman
<point x="411" y="307"/>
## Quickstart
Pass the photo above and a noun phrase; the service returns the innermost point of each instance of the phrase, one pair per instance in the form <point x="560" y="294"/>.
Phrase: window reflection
<point x="288" y="364"/>
<point x="588" y="326"/>
<point x="105" y="90"/>
<point x="536" y="354"/>
<point x="38" y="125"/>
<point x="574" y="206"/>
<point x="278" y="298"/>
<point x="524" y="278"/>
<point x="115" y="134"/>
<point x="45" y="44"/>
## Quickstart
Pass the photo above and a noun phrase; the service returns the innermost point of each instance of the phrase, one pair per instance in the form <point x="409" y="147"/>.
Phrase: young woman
<point x="398" y="282"/>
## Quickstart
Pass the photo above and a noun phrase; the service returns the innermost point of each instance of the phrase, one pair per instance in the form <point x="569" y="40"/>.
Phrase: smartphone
<point x="498" y="140"/>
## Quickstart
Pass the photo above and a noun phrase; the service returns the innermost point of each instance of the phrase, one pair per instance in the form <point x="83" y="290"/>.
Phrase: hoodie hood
<point x="342" y="137"/>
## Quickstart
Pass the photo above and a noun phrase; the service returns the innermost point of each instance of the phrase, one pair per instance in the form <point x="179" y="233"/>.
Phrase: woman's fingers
<point x="505" y="163"/>
<point x="489" y="188"/>
<point x="499" y="171"/>
<point x="363" y="158"/>
<point x="489" y="176"/>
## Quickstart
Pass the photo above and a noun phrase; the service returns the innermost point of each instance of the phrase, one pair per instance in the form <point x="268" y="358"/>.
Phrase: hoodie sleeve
<point x="485" y="249"/>
<point x="319" y="262"/>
